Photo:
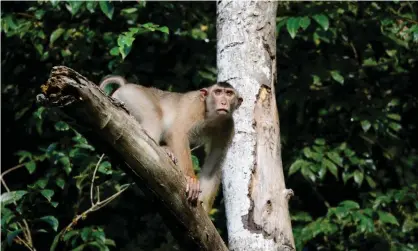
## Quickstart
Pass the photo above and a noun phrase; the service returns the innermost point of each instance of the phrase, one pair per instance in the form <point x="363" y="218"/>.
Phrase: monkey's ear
<point x="240" y="99"/>
<point x="203" y="93"/>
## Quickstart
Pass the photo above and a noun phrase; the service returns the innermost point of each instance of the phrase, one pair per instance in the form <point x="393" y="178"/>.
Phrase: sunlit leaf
<point x="330" y="166"/>
<point x="358" y="177"/>
<point x="336" y="158"/>
<point x="24" y="155"/>
<point x="320" y="141"/>
<point x="346" y="176"/>
<point x="370" y="181"/>
<point x="60" y="182"/>
<point x="74" y="6"/>
<point x="386" y="217"/>
<point x="349" y="204"/>
<point x="365" y="125"/>
<point x="47" y="193"/>
<point x="105" y="167"/>
<point x="11" y="197"/>
<point x="322" y="20"/>
<point x="107" y="8"/>
<point x="91" y="6"/>
<point x="296" y="166"/>
<point x="304" y="22"/>
<point x="51" y="220"/>
<point x="292" y="26"/>
<point x="55" y="35"/>
<point x="337" y="77"/>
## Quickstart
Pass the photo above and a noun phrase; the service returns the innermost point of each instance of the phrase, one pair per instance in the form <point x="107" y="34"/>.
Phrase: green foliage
<point x="345" y="96"/>
<point x="349" y="126"/>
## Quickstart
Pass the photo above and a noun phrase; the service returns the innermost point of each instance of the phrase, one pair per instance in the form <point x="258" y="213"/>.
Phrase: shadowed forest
<point x="348" y="106"/>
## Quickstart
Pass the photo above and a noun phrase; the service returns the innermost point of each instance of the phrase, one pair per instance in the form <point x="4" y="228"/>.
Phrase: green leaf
<point x="394" y="116"/>
<point x="322" y="20"/>
<point x="41" y="183"/>
<point x="307" y="173"/>
<point x="107" y="8"/>
<point x="320" y="141"/>
<point x="61" y="126"/>
<point x="70" y="234"/>
<point x="47" y="193"/>
<point x="386" y="217"/>
<point x="55" y="35"/>
<point x="395" y="126"/>
<point x="304" y="22"/>
<point x="129" y="10"/>
<point x="358" y="177"/>
<point x="105" y="167"/>
<point x="60" y="182"/>
<point x="366" y="224"/>
<point x="336" y="158"/>
<point x="164" y="29"/>
<point x="349" y="204"/>
<point x="298" y="164"/>
<point x="85" y="233"/>
<point x="24" y="155"/>
<point x="365" y="124"/>
<point x="11" y="197"/>
<point x="65" y="161"/>
<point x="125" y="44"/>
<point x="370" y="181"/>
<point x="74" y="6"/>
<point x="31" y="166"/>
<point x="337" y="77"/>
<point x="91" y="6"/>
<point x="347" y="176"/>
<point x="12" y="235"/>
<point x="292" y="26"/>
<point x="51" y="220"/>
<point x="331" y="167"/>
<point x="114" y="51"/>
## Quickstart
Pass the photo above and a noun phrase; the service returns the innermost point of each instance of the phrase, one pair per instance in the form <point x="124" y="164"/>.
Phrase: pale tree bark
<point x="256" y="198"/>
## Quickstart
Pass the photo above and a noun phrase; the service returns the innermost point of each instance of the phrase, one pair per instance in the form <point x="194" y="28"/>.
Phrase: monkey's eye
<point x="229" y="93"/>
<point x="218" y="91"/>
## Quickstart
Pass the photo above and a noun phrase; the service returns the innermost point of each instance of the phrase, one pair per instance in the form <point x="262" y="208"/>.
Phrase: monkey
<point x="200" y="117"/>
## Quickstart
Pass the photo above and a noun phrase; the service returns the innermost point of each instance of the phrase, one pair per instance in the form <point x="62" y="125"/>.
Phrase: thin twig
<point x="92" y="180"/>
<point x="95" y="207"/>
<point x="11" y="170"/>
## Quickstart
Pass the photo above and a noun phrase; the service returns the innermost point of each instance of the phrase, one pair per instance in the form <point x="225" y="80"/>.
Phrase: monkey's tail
<point x="112" y="80"/>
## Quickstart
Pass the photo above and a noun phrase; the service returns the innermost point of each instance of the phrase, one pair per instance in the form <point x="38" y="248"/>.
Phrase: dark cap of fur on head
<point x="224" y="84"/>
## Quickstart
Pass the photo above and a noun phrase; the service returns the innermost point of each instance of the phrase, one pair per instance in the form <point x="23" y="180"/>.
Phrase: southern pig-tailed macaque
<point x="201" y="117"/>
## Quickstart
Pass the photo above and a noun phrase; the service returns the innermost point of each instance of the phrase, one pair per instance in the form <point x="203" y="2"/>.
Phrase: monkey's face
<point x="222" y="100"/>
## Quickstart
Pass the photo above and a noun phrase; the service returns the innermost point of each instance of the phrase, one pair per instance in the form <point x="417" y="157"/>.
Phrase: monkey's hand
<point x="192" y="189"/>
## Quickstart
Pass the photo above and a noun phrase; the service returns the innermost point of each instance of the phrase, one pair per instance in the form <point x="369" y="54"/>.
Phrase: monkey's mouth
<point x="222" y="111"/>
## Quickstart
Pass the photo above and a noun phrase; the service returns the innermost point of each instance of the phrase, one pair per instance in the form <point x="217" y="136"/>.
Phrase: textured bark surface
<point x="256" y="198"/>
<point x="110" y="124"/>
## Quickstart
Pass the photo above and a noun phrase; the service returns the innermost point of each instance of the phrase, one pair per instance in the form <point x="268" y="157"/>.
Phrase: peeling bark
<point x="256" y="198"/>
<point x="107" y="123"/>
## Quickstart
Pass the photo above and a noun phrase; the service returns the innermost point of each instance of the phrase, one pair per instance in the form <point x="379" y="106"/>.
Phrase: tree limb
<point x="107" y="121"/>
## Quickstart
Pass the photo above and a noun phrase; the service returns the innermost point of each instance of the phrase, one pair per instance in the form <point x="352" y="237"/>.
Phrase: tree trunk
<point x="110" y="125"/>
<point x="256" y="198"/>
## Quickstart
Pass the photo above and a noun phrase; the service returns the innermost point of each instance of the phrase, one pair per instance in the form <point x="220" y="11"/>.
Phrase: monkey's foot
<point x="192" y="189"/>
